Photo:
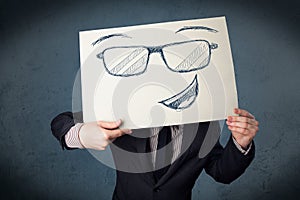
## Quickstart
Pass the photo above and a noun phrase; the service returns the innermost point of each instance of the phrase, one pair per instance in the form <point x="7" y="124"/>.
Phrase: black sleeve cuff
<point x="238" y="156"/>
<point x="60" y="126"/>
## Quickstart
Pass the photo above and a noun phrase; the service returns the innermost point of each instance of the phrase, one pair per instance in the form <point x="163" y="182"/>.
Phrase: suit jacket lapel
<point x="192" y="133"/>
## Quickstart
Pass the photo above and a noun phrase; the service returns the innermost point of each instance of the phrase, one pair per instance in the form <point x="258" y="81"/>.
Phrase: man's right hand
<point x="98" y="135"/>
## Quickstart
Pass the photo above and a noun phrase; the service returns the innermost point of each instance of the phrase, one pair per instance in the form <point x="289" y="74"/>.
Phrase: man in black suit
<point x="141" y="177"/>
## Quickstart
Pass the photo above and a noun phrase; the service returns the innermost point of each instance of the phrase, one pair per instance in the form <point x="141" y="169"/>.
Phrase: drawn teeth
<point x="183" y="99"/>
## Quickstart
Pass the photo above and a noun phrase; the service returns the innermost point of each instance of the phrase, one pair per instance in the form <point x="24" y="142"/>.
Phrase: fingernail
<point x="229" y="118"/>
<point x="129" y="131"/>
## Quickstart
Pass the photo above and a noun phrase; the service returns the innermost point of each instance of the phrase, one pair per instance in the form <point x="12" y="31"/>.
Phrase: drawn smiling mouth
<point x="183" y="99"/>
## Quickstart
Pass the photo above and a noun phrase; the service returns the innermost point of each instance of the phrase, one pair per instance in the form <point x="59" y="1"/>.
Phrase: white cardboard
<point x="135" y="99"/>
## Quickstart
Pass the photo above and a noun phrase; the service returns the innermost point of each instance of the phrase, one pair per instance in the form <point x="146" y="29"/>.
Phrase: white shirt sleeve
<point x="245" y="152"/>
<point x="72" y="137"/>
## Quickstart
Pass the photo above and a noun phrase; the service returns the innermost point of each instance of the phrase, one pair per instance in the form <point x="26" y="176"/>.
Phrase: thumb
<point x="109" y="125"/>
<point x="113" y="134"/>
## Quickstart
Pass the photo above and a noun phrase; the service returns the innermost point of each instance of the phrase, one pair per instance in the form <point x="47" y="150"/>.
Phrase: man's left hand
<point x="243" y="127"/>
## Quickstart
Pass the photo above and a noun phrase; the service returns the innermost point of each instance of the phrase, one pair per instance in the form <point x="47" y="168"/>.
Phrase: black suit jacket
<point x="223" y="164"/>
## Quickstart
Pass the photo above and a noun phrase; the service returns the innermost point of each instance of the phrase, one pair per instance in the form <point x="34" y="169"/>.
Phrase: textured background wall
<point x="39" y="58"/>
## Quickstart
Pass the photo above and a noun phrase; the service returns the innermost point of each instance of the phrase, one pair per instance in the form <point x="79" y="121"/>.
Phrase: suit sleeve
<point x="60" y="126"/>
<point x="227" y="164"/>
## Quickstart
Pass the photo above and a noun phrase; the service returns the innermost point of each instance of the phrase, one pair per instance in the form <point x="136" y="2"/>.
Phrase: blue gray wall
<point x="39" y="58"/>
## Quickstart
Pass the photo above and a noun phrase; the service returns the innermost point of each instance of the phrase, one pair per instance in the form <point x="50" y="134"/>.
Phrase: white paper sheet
<point x="158" y="74"/>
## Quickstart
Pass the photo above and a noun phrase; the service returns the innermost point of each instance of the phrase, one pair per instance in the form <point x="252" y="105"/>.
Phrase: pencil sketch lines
<point x="183" y="99"/>
<point x="180" y="57"/>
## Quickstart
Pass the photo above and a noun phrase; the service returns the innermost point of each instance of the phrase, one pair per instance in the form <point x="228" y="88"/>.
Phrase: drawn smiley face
<point x="179" y="57"/>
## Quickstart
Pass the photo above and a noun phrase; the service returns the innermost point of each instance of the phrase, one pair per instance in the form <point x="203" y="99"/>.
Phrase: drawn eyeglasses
<point x="181" y="57"/>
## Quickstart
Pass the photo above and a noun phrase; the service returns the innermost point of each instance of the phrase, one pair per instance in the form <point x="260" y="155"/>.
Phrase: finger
<point x="238" y="124"/>
<point x="109" y="125"/>
<point x="104" y="144"/>
<point x="117" y="133"/>
<point x="238" y="119"/>
<point x="239" y="130"/>
<point x="242" y="119"/>
<point x="251" y="131"/>
<point x="243" y="124"/>
<point x="100" y="148"/>
<point x="250" y="128"/>
<point x="244" y="113"/>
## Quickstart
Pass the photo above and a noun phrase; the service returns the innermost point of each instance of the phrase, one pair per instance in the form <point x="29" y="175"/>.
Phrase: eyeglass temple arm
<point x="100" y="55"/>
<point x="214" y="46"/>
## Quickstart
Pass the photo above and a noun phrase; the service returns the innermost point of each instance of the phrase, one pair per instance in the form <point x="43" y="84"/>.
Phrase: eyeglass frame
<point x="158" y="49"/>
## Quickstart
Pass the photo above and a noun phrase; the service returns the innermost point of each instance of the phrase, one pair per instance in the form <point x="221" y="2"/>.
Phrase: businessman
<point x="175" y="159"/>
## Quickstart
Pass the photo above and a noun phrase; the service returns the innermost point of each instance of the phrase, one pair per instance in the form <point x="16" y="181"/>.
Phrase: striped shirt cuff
<point x="72" y="137"/>
<point x="243" y="151"/>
